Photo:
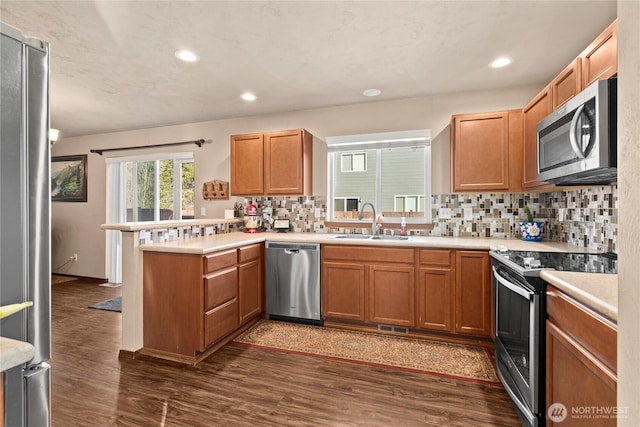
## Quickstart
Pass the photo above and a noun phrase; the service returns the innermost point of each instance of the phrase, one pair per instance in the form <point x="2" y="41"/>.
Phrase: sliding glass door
<point x="147" y="188"/>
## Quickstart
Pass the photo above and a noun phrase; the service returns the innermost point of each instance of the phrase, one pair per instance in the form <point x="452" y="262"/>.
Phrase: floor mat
<point x="114" y="304"/>
<point x="414" y="354"/>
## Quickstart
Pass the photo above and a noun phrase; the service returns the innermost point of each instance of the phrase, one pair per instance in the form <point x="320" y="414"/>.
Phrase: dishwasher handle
<point x="292" y="251"/>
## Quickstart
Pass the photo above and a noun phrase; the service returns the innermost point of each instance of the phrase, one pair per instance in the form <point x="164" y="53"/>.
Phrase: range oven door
<point x="518" y="341"/>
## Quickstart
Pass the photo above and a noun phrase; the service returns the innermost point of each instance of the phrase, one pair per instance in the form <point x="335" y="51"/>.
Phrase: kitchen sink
<point x="390" y="238"/>
<point x="352" y="236"/>
<point x="369" y="237"/>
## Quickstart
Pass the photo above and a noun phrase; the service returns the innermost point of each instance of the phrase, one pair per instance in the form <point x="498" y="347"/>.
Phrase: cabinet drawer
<point x="219" y="260"/>
<point x="249" y="252"/>
<point x="435" y="257"/>
<point x="220" y="287"/>
<point x="220" y="321"/>
<point x="598" y="335"/>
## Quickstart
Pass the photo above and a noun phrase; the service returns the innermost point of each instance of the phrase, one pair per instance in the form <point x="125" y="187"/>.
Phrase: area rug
<point x="56" y="279"/>
<point x="114" y="304"/>
<point x="469" y="363"/>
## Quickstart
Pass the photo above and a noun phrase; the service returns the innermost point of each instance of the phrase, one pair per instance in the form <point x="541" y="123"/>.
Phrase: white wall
<point x="629" y="211"/>
<point x="76" y="226"/>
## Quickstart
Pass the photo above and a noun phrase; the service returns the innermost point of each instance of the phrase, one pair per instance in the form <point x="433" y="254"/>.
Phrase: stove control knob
<point x="535" y="263"/>
<point x="528" y="260"/>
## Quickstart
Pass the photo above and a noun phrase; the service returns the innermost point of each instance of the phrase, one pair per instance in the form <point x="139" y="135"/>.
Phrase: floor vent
<point x="393" y="329"/>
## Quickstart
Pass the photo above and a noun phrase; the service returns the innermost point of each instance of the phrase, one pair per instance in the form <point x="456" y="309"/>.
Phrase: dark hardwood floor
<point x="240" y="386"/>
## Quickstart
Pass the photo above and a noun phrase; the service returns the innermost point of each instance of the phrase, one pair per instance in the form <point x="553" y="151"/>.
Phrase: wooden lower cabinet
<point x="435" y="290"/>
<point x="581" y="361"/>
<point x="368" y="285"/>
<point x="250" y="283"/>
<point x="392" y="295"/>
<point x="192" y="302"/>
<point x="343" y="290"/>
<point x="473" y="293"/>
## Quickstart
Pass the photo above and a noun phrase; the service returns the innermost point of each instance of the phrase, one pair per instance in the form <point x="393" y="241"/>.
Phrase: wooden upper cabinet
<point x="288" y="162"/>
<point x="567" y="84"/>
<point x="481" y="151"/>
<point x="536" y="110"/>
<point x="600" y="59"/>
<point x="274" y="163"/>
<point x="247" y="164"/>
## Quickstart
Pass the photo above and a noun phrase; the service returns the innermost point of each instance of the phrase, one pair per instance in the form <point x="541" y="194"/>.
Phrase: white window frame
<point x="379" y="142"/>
<point x="353" y="154"/>
<point x="357" y="198"/>
<point x="178" y="159"/>
<point x="405" y="197"/>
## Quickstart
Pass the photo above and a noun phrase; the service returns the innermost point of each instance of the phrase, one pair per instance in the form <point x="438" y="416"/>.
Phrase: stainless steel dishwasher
<point x="293" y="282"/>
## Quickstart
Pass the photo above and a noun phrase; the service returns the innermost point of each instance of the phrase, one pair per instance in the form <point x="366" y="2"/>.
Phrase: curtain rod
<point x="198" y="142"/>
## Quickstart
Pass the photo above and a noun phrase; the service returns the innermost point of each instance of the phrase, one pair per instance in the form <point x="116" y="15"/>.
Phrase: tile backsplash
<point x="586" y="217"/>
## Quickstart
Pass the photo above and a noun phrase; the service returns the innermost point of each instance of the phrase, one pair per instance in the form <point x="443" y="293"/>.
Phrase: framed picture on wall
<point x="69" y="178"/>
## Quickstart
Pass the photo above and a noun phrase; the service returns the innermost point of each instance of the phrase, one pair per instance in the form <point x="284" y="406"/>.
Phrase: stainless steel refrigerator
<point x="25" y="266"/>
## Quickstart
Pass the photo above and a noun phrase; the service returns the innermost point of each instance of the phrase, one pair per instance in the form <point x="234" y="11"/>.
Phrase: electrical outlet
<point x="203" y="211"/>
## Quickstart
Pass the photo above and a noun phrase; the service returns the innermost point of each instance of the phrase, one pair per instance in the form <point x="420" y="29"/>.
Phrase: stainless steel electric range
<point x="520" y="310"/>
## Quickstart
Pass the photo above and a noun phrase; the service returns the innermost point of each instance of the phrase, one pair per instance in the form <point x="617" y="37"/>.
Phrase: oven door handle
<point x="517" y="289"/>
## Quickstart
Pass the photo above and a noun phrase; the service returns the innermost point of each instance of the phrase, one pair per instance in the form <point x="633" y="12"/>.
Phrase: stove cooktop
<point x="530" y="263"/>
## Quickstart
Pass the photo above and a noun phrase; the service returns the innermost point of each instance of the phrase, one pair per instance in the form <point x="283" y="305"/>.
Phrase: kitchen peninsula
<point x="133" y="250"/>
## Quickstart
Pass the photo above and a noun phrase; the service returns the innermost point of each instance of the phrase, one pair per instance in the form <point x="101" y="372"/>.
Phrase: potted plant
<point x="530" y="230"/>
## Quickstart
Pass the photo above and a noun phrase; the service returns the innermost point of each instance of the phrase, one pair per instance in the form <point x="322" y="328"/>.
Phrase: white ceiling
<point x="113" y="65"/>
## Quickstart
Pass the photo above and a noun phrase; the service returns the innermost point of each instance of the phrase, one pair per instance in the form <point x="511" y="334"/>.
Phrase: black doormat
<point x="114" y="304"/>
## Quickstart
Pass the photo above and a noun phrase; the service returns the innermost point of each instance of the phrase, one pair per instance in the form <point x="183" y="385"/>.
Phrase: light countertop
<point x="155" y="225"/>
<point x="597" y="291"/>
<point x="204" y="245"/>
<point x="14" y="353"/>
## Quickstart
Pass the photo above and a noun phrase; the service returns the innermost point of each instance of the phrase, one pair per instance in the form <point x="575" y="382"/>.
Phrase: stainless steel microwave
<point x="577" y="143"/>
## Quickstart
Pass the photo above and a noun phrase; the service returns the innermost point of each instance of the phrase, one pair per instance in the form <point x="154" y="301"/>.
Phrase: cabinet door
<point x="577" y="379"/>
<point x="219" y="322"/>
<point x="247" y="164"/>
<point x="480" y="152"/>
<point x="567" y="84"/>
<point x="539" y="108"/>
<point x="343" y="290"/>
<point x="600" y="59"/>
<point x="250" y="289"/>
<point x="392" y="295"/>
<point x="284" y="162"/>
<point x="473" y="293"/>
<point x="434" y="299"/>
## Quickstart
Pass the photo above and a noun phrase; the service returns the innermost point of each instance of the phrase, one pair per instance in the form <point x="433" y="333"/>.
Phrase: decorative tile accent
<point x="169" y="234"/>
<point x="586" y="217"/>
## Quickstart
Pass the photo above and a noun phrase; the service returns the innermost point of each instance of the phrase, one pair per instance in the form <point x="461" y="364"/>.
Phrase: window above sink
<point x="392" y="170"/>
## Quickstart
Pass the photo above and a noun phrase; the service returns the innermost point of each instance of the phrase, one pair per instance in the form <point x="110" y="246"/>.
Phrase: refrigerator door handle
<point x="38" y="384"/>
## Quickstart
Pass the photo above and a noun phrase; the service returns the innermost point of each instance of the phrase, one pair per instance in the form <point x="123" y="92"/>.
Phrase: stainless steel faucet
<point x="374" y="229"/>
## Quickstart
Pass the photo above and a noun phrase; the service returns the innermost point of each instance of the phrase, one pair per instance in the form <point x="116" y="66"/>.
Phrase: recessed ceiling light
<point x="247" y="96"/>
<point x="372" y="92"/>
<point x="500" y="62"/>
<point x="187" y="55"/>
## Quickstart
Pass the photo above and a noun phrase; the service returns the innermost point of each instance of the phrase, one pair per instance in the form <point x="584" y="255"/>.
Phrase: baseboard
<point x="414" y="333"/>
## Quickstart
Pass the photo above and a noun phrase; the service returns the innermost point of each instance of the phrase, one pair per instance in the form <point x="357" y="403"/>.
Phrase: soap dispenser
<point x="403" y="227"/>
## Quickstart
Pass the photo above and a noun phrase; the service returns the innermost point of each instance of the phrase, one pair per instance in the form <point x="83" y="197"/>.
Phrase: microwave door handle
<point x="517" y="289"/>
<point x="572" y="132"/>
